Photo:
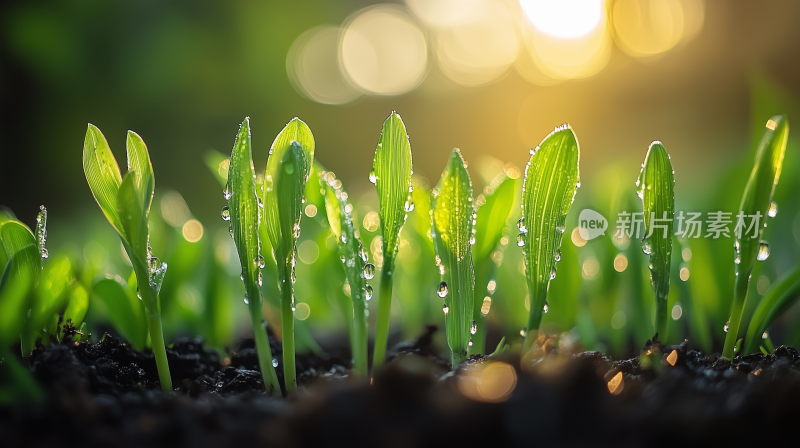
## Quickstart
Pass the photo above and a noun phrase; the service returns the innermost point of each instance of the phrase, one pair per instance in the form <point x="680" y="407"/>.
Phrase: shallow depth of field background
<point x="491" y="77"/>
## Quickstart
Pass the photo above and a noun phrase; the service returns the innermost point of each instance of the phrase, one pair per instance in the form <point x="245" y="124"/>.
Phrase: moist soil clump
<point x="107" y="394"/>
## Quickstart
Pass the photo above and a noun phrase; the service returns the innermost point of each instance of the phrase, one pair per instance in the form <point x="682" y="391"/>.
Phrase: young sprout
<point x="243" y="212"/>
<point x="781" y="296"/>
<point x="126" y="204"/>
<point x="288" y="168"/>
<point x="494" y="206"/>
<point x="755" y="208"/>
<point x="21" y="249"/>
<point x="355" y="260"/>
<point x="453" y="236"/>
<point x="551" y="181"/>
<point x="656" y="189"/>
<point x="391" y="174"/>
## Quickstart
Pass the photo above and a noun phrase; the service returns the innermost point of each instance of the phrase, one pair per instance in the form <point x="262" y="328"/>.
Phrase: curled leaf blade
<point x="139" y="163"/>
<point x="102" y="173"/>
<point x="780" y="297"/>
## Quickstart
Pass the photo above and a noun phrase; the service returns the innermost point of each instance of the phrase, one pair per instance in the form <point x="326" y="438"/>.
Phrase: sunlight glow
<point x="564" y="19"/>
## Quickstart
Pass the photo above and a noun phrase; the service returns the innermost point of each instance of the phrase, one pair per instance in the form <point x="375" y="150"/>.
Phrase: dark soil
<point x="107" y="394"/>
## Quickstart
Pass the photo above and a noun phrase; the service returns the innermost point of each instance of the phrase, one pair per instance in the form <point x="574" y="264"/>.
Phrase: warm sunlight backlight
<point x="302" y="311"/>
<point x="564" y="19"/>
<point x="616" y="384"/>
<point x="620" y="262"/>
<point x="383" y="51"/>
<point x="313" y="67"/>
<point x="490" y="382"/>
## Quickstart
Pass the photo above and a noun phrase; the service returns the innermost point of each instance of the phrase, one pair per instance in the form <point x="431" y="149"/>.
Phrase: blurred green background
<point x="183" y="74"/>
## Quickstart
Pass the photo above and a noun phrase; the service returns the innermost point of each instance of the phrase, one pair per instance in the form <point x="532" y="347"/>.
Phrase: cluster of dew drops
<point x="41" y="231"/>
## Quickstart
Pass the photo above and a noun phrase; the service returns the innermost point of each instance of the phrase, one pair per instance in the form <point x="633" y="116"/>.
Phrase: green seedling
<point x="780" y="297"/>
<point x="243" y="212"/>
<point x="288" y="168"/>
<point x="656" y="189"/>
<point x="453" y="221"/>
<point x="356" y="266"/>
<point x="494" y="206"/>
<point x="126" y="204"/>
<point x="756" y="207"/>
<point x="125" y="310"/>
<point x="391" y="174"/>
<point x="552" y="178"/>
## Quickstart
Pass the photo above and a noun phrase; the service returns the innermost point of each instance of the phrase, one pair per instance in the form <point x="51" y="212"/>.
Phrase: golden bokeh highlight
<point x="311" y="210"/>
<point x="577" y="239"/>
<point x="486" y="306"/>
<point x="490" y="382"/>
<point x="174" y="209"/>
<point x="192" y="230"/>
<point x="383" y="51"/>
<point x="616" y="384"/>
<point x="444" y="13"/>
<point x="371" y="221"/>
<point x="564" y="19"/>
<point x="620" y="262"/>
<point x="672" y="358"/>
<point x="684" y="273"/>
<point x="480" y="50"/>
<point x="648" y="27"/>
<point x="677" y="311"/>
<point x="313" y="67"/>
<point x="302" y="311"/>
<point x="591" y="268"/>
<point x="308" y="251"/>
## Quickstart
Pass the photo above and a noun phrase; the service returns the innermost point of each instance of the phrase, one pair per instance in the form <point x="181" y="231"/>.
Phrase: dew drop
<point x="561" y="229"/>
<point x="368" y="292"/>
<point x="296" y="229"/>
<point x="442" y="290"/>
<point x="646" y="248"/>
<point x="470" y="342"/>
<point x="274" y="362"/>
<point x="369" y="271"/>
<point x="736" y="245"/>
<point x="260" y="279"/>
<point x="473" y="328"/>
<point x="737" y="260"/>
<point x="725" y="327"/>
<point x="523" y="332"/>
<point x="521" y="239"/>
<point x="226" y="213"/>
<point x="773" y="210"/>
<point x="260" y="262"/>
<point x="363" y="254"/>
<point x="558" y="255"/>
<point x="227" y="193"/>
<point x="521" y="225"/>
<point x="372" y="177"/>
<point x="246" y="300"/>
<point x="153" y="265"/>
<point x="409" y="206"/>
<point x="445" y="309"/>
<point x="472" y="240"/>
<point x="764" y="335"/>
<point x="553" y="273"/>
<point x="763" y="251"/>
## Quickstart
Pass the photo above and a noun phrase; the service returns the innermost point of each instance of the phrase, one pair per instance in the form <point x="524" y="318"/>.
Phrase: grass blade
<point x="125" y="310"/>
<point x="780" y="297"/>
<point x="243" y="209"/>
<point x="354" y="258"/>
<point x="391" y="173"/>
<point x="656" y="185"/>
<point x="551" y="181"/>
<point x="453" y="230"/>
<point x="754" y="209"/>
<point x="102" y="174"/>
<point x="492" y="221"/>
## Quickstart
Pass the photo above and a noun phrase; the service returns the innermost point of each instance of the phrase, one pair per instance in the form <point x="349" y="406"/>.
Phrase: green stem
<point x="739" y="298"/>
<point x="538" y="299"/>
<point x="262" y="348"/>
<point x="661" y="317"/>
<point x="384" y="312"/>
<point x="159" y="350"/>
<point x="287" y="331"/>
<point x="359" y="346"/>
<point x="483" y="274"/>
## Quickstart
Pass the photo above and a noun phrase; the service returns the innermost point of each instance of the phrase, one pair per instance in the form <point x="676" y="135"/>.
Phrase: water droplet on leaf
<point x="442" y="290"/>
<point x="763" y="251"/>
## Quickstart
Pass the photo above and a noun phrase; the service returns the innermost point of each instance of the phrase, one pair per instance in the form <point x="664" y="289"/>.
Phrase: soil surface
<point x="107" y="394"/>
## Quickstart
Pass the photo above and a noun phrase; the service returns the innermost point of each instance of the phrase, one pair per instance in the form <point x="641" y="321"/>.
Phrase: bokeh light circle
<point x="480" y="50"/>
<point x="647" y="27"/>
<point x="444" y="13"/>
<point x="564" y="19"/>
<point x="383" y="51"/>
<point x="313" y="67"/>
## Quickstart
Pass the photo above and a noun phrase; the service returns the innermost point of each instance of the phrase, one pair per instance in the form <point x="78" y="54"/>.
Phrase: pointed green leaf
<point x="656" y="188"/>
<point x="15" y="286"/>
<point x="493" y="211"/>
<point x="780" y="297"/>
<point x="290" y="187"/>
<point x="758" y="192"/>
<point x="16" y="237"/>
<point x="354" y="258"/>
<point x="139" y="163"/>
<point x="102" y="174"/>
<point x="551" y="180"/>
<point x="453" y="236"/>
<point x="392" y="174"/>
<point x="132" y="219"/>
<point x="77" y="305"/>
<point x="125" y="310"/>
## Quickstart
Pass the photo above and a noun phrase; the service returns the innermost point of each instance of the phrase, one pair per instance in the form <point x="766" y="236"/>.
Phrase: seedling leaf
<point x="125" y="310"/>
<point x="754" y="208"/>
<point x="102" y="174"/>
<point x="453" y="214"/>
<point x="551" y="180"/>
<point x="493" y="218"/>
<point x="139" y="163"/>
<point x="656" y="188"/>
<point x="780" y="297"/>
<point x="352" y="253"/>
